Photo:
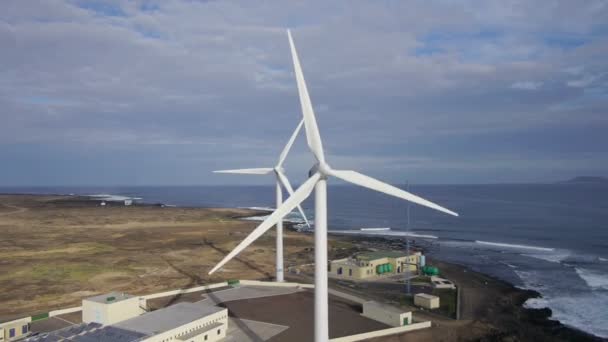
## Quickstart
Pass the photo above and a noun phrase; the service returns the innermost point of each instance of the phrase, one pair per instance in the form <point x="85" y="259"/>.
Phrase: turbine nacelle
<point x="321" y="168"/>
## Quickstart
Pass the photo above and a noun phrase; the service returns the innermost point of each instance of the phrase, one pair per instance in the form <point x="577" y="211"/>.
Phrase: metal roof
<point x="169" y="318"/>
<point x="112" y="297"/>
<point x="425" y="295"/>
<point x="380" y="255"/>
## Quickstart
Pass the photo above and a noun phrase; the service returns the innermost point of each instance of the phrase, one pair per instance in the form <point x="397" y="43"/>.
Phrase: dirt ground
<point x="56" y="250"/>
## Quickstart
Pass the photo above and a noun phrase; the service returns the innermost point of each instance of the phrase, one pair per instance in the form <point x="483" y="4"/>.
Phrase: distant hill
<point x="586" y="180"/>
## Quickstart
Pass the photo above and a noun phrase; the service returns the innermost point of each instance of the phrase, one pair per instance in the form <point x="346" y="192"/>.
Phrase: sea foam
<point x="594" y="279"/>
<point x="508" y="245"/>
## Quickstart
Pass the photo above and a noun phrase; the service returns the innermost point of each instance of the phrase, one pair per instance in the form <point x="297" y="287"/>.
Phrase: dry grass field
<point x="56" y="250"/>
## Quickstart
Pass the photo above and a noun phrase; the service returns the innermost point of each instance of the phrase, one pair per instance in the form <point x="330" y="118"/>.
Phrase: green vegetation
<point x="40" y="317"/>
<point x="233" y="282"/>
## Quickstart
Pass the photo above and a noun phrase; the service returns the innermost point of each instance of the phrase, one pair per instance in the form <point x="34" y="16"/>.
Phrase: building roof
<point x="380" y="255"/>
<point x="169" y="318"/>
<point x="199" y="331"/>
<point x="109" y="334"/>
<point x="112" y="297"/>
<point x="425" y="295"/>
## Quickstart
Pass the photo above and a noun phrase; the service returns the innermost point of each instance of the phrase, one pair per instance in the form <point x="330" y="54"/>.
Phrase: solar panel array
<point x="89" y="332"/>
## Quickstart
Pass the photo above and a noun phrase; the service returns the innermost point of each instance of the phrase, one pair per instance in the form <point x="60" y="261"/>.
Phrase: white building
<point x="426" y="301"/>
<point x="386" y="314"/>
<point x="110" y="308"/>
<point x="182" y="322"/>
<point x="192" y="322"/>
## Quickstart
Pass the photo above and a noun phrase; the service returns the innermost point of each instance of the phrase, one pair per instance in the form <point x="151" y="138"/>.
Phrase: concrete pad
<point x="49" y="324"/>
<point x="244" y="330"/>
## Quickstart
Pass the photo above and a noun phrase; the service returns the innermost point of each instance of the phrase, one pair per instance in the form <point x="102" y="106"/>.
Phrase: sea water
<point x="552" y="238"/>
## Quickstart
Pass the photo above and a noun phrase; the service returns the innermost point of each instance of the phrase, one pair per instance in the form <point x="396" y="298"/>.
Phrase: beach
<point x="57" y="250"/>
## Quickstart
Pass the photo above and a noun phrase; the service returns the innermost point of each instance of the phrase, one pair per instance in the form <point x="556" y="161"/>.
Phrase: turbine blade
<point x="300" y="195"/>
<point x="256" y="171"/>
<point x="312" y="130"/>
<point x="289" y="143"/>
<point x="374" y="184"/>
<point x="285" y="182"/>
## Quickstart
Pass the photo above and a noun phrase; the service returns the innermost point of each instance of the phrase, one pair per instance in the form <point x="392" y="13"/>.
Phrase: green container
<point x="390" y="267"/>
<point x="430" y="270"/>
<point x="379" y="269"/>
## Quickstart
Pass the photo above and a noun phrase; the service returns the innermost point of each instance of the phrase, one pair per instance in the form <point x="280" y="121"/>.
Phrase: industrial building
<point x="426" y="301"/>
<point x="375" y="264"/>
<point x="110" y="308"/>
<point x="118" y="317"/>
<point x="386" y="314"/>
<point x="14" y="330"/>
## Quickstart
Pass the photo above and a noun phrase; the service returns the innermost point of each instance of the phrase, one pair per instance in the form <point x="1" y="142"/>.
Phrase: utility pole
<point x="407" y="245"/>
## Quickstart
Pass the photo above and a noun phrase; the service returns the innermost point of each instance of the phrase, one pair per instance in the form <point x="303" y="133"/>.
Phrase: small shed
<point x="426" y="301"/>
<point x="386" y="314"/>
<point x="110" y="308"/>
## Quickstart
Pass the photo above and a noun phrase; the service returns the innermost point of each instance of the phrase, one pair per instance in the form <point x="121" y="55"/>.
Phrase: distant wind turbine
<point x="318" y="181"/>
<point x="281" y="179"/>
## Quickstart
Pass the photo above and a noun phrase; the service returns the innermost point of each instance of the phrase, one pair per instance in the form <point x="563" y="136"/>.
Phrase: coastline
<point x="495" y="313"/>
<point x="493" y="305"/>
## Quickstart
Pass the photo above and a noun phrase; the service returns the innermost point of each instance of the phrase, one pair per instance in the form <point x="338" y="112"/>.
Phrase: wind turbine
<point x="281" y="179"/>
<point x="318" y="181"/>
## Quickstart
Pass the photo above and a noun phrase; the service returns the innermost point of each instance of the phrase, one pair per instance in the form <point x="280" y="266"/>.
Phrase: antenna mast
<point x="407" y="245"/>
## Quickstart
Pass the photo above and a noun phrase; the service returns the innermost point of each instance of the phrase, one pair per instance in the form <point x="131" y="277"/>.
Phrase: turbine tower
<point x="281" y="179"/>
<point x="318" y="182"/>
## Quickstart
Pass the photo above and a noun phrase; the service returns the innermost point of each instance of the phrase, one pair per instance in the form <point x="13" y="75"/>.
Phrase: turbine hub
<point x="321" y="169"/>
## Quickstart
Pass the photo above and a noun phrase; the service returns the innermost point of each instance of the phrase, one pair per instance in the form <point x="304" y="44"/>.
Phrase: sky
<point x="163" y="92"/>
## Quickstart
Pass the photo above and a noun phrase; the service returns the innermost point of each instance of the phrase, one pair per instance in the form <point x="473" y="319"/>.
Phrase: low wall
<point x="269" y="283"/>
<point x="64" y="311"/>
<point x="182" y="291"/>
<point x="383" y="332"/>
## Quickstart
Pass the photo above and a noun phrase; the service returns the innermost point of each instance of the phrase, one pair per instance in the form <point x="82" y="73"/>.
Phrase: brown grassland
<point x="55" y="250"/>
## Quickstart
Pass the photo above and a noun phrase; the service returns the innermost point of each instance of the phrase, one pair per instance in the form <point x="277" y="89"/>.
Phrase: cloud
<point x="527" y="85"/>
<point x="214" y="78"/>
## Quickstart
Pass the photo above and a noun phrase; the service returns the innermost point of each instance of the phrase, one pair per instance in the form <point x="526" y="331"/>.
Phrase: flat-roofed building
<point x="374" y="264"/>
<point x="191" y="322"/>
<point x="13" y="330"/>
<point x="426" y="301"/>
<point x="183" y="321"/>
<point x="110" y="308"/>
<point x="386" y="314"/>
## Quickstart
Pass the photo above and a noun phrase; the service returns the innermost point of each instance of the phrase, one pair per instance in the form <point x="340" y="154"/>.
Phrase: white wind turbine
<point x="281" y="179"/>
<point x="318" y="181"/>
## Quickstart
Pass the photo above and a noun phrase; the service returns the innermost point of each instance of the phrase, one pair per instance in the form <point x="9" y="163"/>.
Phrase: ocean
<point x="551" y="238"/>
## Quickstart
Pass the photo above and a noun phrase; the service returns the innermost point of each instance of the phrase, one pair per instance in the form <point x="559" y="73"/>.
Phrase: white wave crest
<point x="258" y="208"/>
<point x="508" y="245"/>
<point x="383" y="233"/>
<point x="594" y="279"/>
<point x="557" y="256"/>
<point x="536" y="303"/>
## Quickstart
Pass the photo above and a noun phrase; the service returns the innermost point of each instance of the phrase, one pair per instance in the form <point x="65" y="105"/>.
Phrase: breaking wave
<point x="595" y="280"/>
<point x="508" y="245"/>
